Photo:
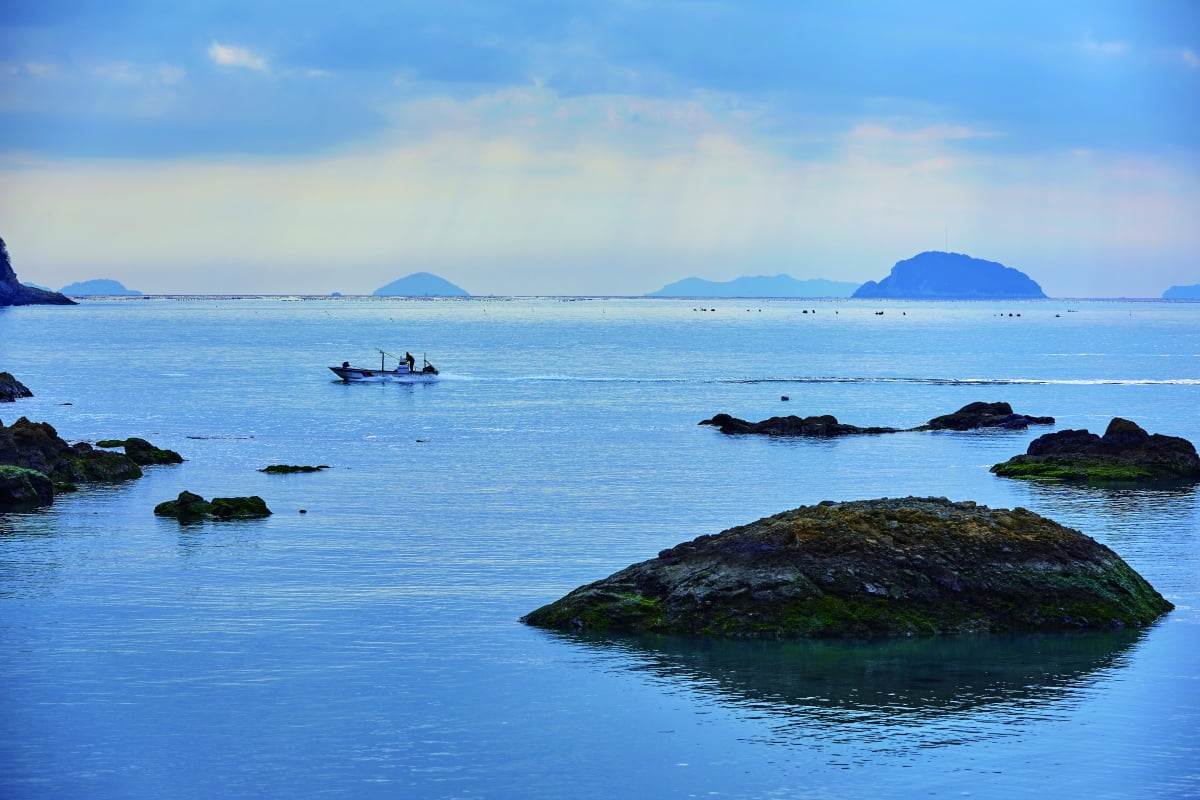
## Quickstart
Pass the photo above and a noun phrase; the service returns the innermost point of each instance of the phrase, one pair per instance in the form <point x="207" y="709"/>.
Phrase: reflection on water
<point x="891" y="695"/>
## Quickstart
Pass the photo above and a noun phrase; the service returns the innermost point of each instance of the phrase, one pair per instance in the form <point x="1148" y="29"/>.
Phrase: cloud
<point x="1190" y="58"/>
<point x="234" y="56"/>
<point x="125" y="72"/>
<point x="1105" y="48"/>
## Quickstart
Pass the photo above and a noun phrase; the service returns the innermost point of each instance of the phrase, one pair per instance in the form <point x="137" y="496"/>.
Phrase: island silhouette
<point x="421" y="284"/>
<point x="936" y="275"/>
<point x="757" y="286"/>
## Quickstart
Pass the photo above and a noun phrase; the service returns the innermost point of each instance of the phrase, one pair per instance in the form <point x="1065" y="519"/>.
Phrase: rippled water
<point x="370" y="646"/>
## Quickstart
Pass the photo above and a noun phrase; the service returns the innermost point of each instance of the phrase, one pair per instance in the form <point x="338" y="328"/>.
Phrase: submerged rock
<point x="285" y="469"/>
<point x="24" y="489"/>
<point x="190" y="507"/>
<point x="984" y="415"/>
<point x="11" y="388"/>
<point x="825" y="425"/>
<point x="1125" y="453"/>
<point x="142" y="452"/>
<point x="870" y="568"/>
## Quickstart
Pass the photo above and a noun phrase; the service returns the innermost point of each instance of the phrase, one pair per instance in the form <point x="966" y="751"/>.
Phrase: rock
<point x="284" y="469"/>
<point x="870" y="568"/>
<point x="24" y="489"/>
<point x="1124" y="454"/>
<point x="14" y="293"/>
<point x="11" y="388"/>
<point x="190" y="507"/>
<point x="37" y="446"/>
<point x="984" y="415"/>
<point x="818" y="426"/>
<point x="146" y="454"/>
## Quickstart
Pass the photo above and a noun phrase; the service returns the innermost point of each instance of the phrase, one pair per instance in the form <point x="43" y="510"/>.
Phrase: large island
<point x="935" y="275"/>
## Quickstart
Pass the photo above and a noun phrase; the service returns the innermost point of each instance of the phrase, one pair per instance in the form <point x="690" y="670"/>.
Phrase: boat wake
<point x="803" y="379"/>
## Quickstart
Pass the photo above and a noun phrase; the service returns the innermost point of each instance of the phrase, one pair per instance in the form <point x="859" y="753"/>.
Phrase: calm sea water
<point x="370" y="647"/>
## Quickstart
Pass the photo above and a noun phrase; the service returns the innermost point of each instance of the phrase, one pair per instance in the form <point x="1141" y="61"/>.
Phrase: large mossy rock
<point x="190" y="507"/>
<point x="11" y="388"/>
<point x="870" y="568"/>
<point x="24" y="489"/>
<point x="1124" y="454"/>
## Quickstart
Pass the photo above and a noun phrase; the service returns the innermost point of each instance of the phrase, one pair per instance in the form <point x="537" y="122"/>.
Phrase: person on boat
<point x="412" y="362"/>
<point x="345" y="365"/>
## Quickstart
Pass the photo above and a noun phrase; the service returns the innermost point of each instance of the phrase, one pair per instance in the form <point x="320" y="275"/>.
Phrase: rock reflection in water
<point x="900" y="694"/>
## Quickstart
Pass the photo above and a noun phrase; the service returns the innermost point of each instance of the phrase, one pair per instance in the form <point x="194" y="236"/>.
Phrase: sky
<point x="538" y="147"/>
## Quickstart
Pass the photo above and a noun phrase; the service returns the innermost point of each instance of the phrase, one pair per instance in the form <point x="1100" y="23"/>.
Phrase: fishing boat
<point x="406" y="370"/>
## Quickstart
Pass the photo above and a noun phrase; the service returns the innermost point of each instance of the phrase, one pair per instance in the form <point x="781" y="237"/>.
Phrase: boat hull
<point x="364" y="375"/>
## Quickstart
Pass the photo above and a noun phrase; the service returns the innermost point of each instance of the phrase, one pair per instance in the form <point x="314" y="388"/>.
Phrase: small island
<point x="935" y="275"/>
<point x="764" y="286"/>
<point x="1124" y="454"/>
<point x="15" y="293"/>
<point x="99" y="287"/>
<point x="420" y="284"/>
<point x="870" y="568"/>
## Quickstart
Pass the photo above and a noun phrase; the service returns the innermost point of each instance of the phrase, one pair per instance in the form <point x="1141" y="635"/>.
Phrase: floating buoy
<point x="785" y="398"/>
<point x="304" y="511"/>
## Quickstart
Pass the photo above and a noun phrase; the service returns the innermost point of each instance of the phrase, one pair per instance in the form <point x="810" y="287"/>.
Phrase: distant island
<point x="421" y="284"/>
<point x="935" y="275"/>
<point x="99" y="286"/>
<point x="756" y="286"/>
<point x="1182" y="292"/>
<point x="14" y="293"/>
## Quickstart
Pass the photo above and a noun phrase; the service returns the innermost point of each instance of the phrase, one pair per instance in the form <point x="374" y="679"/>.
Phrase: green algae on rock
<point x="870" y="568"/>
<point x="191" y="507"/>
<point x="1124" y="454"/>
<point x="24" y="489"/>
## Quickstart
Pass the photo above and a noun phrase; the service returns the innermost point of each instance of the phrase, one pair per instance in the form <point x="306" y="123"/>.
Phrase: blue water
<point x="370" y="648"/>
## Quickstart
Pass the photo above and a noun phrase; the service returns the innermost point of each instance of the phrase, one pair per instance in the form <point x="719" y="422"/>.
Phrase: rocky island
<point x="11" y="388"/>
<point x="15" y="293"/>
<point x="99" y="287"/>
<point x="970" y="417"/>
<point x="1124" y="454"/>
<point x="190" y="507"/>
<point x="870" y="568"/>
<point x="935" y="275"/>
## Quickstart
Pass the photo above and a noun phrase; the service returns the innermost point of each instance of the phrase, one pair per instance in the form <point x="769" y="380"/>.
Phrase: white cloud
<point x="1190" y="58"/>
<point x="1114" y="48"/>
<point x="234" y="56"/>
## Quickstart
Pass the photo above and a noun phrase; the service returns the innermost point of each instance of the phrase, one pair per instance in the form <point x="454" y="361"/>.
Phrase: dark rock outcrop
<point x="1124" y="454"/>
<point x="870" y="568"/>
<point x="14" y="293"/>
<point x="189" y="507"/>
<point x="286" y="469"/>
<point x="970" y="417"/>
<point x="984" y="415"/>
<point x="11" y="388"/>
<point x="935" y="275"/>
<point x="23" y="489"/>
<point x="37" y="446"/>
<point x="142" y="452"/>
<point x="818" y="426"/>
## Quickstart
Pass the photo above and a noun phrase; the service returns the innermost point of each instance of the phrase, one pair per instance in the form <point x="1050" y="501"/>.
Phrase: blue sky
<point x="596" y="148"/>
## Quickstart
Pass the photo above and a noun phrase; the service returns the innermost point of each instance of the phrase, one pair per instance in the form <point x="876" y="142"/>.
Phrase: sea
<point x="365" y="640"/>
